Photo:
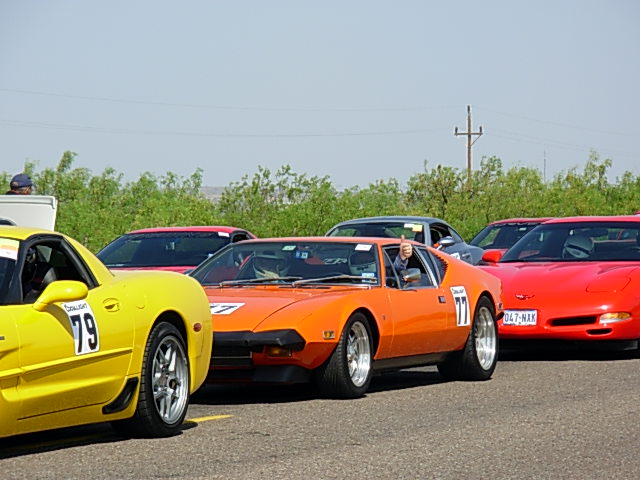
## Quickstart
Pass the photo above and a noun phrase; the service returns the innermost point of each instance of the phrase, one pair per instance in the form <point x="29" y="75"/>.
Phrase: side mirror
<point x="492" y="256"/>
<point x="61" y="291"/>
<point x="411" y="275"/>
<point x="446" y="242"/>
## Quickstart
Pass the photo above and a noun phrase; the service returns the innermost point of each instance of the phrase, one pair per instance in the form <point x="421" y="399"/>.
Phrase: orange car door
<point x="454" y="302"/>
<point x="419" y="316"/>
<point x="418" y="321"/>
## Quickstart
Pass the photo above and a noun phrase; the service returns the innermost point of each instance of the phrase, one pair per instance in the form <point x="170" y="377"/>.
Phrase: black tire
<point x="347" y="373"/>
<point x="478" y="359"/>
<point x="164" y="388"/>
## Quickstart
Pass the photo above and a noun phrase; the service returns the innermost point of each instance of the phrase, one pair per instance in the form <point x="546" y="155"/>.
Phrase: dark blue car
<point x="427" y="230"/>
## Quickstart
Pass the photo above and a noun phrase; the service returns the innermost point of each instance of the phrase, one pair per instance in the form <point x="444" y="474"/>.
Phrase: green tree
<point x="283" y="204"/>
<point x="583" y="193"/>
<point x="97" y="208"/>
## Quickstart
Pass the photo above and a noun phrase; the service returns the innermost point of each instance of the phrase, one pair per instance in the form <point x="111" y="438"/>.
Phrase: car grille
<point x="571" y="321"/>
<point x="231" y="356"/>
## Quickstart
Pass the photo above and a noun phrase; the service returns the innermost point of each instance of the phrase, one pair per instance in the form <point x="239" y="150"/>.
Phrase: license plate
<point x="520" y="317"/>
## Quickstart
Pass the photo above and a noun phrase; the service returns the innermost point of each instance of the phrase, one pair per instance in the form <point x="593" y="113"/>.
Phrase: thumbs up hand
<point x="406" y="249"/>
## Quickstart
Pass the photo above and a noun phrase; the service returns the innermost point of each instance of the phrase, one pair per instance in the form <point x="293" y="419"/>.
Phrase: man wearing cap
<point x="20" y="184"/>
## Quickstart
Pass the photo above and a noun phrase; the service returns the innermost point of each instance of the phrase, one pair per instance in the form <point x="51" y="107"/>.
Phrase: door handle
<point x="111" y="304"/>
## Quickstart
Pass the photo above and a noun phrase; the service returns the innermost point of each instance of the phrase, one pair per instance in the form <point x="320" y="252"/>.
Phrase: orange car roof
<point x="376" y="240"/>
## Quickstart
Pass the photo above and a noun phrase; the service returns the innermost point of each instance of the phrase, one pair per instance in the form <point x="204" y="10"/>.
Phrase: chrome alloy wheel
<point x="170" y="380"/>
<point x="358" y="354"/>
<point x="486" y="338"/>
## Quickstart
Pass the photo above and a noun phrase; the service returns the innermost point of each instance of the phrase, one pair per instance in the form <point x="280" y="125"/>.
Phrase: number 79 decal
<point x="463" y="317"/>
<point x="85" y="329"/>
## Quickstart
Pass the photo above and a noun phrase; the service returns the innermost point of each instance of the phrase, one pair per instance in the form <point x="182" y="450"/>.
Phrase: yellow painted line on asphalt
<point x="209" y="418"/>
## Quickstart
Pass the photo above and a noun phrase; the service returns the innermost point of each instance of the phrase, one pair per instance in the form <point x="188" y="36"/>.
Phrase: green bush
<point x="96" y="209"/>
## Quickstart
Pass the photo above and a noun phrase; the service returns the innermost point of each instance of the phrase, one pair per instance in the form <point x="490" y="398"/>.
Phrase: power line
<point x="229" y="107"/>
<point x="558" y="124"/>
<point x="91" y="129"/>
<point x="303" y="109"/>
<point x="518" y="137"/>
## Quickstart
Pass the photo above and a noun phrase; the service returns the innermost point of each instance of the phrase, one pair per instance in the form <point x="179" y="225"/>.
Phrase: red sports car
<point x="574" y="278"/>
<point x="168" y="248"/>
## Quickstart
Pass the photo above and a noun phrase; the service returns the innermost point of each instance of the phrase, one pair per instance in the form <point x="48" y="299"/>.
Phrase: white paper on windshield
<point x="414" y="227"/>
<point x="9" y="248"/>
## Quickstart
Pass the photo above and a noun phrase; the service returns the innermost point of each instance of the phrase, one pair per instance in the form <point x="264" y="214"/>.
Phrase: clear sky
<point x="360" y="90"/>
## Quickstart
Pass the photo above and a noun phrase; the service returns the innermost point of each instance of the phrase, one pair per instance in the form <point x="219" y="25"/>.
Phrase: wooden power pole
<point x="469" y="133"/>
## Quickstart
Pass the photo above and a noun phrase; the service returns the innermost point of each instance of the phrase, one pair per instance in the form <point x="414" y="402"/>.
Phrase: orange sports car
<point x="334" y="310"/>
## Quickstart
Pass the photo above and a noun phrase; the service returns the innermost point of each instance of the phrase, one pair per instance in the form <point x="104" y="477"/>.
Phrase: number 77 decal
<point x="463" y="317"/>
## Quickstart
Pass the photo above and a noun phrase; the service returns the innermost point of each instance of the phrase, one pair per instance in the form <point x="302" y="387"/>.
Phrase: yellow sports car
<point x="80" y="344"/>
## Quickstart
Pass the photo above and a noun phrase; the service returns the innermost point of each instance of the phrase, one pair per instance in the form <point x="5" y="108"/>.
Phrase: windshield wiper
<point x="334" y="278"/>
<point x="534" y="259"/>
<point x="253" y="281"/>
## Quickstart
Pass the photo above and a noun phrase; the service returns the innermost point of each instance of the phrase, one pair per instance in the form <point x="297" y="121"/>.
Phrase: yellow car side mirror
<point x="61" y="291"/>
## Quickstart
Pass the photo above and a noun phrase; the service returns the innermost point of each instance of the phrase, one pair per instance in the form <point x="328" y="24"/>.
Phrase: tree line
<point x="95" y="209"/>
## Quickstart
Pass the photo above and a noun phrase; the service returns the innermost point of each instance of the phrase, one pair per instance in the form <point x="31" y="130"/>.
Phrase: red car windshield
<point x="161" y="249"/>
<point x="578" y="242"/>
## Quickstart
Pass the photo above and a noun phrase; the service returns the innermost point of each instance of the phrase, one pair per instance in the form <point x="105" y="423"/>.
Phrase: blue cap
<point x="21" y="180"/>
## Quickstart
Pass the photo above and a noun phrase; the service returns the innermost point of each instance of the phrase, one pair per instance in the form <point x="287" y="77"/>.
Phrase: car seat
<point x="43" y="275"/>
<point x="362" y="263"/>
<point x="577" y="246"/>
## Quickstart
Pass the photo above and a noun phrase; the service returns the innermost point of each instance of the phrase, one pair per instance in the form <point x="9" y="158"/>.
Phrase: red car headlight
<point x="613" y="317"/>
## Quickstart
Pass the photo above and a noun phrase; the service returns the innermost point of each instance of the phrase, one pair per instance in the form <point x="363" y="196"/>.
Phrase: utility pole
<point x="469" y="133"/>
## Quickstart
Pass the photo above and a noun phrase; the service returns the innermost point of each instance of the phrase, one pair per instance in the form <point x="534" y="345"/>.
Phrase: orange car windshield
<point x="287" y="262"/>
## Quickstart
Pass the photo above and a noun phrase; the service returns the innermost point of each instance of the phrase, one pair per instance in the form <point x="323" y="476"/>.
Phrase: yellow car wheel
<point x="164" y="390"/>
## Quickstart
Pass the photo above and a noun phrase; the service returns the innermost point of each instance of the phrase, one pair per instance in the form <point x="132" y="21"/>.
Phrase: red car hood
<point x="556" y="279"/>
<point x="236" y="309"/>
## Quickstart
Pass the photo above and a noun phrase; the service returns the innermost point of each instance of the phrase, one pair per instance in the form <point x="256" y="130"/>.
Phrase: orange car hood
<point x="554" y="279"/>
<point x="249" y="307"/>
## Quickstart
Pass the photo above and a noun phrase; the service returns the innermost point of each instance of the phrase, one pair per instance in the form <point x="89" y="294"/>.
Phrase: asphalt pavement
<point x="551" y="414"/>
